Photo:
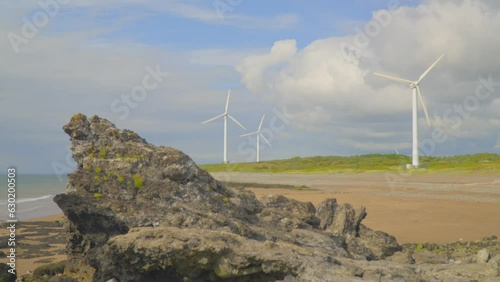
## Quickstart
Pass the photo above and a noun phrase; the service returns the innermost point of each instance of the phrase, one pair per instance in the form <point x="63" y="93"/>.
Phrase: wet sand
<point x="38" y="241"/>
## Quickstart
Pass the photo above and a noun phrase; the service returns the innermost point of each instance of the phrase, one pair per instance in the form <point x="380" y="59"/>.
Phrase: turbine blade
<point x="402" y="80"/>
<point x="248" y="134"/>
<point x="261" y="121"/>
<point x="265" y="140"/>
<point x="236" y="122"/>
<point x="423" y="105"/>
<point x="429" y="69"/>
<point x="212" y="119"/>
<point x="227" y="101"/>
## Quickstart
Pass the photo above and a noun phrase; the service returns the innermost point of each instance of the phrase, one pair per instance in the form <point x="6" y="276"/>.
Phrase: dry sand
<point x="414" y="208"/>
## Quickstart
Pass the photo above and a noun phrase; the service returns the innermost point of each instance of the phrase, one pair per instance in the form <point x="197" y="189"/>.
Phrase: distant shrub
<point x="98" y="170"/>
<point x="97" y="196"/>
<point x="120" y="179"/>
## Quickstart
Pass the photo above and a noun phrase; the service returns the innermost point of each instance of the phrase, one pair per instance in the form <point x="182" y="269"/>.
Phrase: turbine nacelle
<point x="417" y="95"/>
<point x="259" y="135"/>
<point x="225" y="115"/>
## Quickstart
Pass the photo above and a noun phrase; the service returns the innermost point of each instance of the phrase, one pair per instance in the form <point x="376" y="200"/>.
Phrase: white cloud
<point x="319" y="83"/>
<point x="254" y="67"/>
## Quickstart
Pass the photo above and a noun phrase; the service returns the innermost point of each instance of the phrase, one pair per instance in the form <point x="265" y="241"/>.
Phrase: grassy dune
<point x="484" y="162"/>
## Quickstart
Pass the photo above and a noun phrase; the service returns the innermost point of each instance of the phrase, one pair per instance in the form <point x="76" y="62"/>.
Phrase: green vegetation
<point x="419" y="247"/>
<point x="138" y="181"/>
<point x="96" y="177"/>
<point x="484" y="162"/>
<point x="98" y="170"/>
<point x="97" y="196"/>
<point x="103" y="151"/>
<point x="120" y="179"/>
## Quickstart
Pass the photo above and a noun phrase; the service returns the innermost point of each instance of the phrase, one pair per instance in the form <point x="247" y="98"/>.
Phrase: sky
<point x="160" y="68"/>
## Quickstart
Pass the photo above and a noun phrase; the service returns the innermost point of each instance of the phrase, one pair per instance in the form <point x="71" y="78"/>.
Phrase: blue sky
<point x="286" y="59"/>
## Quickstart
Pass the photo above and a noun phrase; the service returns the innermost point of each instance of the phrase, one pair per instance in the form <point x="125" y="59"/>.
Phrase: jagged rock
<point x="288" y="213"/>
<point x="5" y="275"/>
<point x="339" y="220"/>
<point x="429" y="257"/>
<point x="403" y="257"/>
<point x="494" y="263"/>
<point x="381" y="244"/>
<point x="483" y="256"/>
<point x="137" y="212"/>
<point x="50" y="269"/>
<point x="362" y="242"/>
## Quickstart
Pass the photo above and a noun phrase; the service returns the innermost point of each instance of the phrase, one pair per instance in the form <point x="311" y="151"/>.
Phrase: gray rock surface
<point x="483" y="256"/>
<point x="137" y="212"/>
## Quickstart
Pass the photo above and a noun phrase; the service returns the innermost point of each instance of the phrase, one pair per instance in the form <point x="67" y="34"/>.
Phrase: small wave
<point x="28" y="210"/>
<point x="29" y="199"/>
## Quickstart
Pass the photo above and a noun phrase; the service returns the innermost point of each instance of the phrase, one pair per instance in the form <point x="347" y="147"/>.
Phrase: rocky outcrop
<point x="138" y="212"/>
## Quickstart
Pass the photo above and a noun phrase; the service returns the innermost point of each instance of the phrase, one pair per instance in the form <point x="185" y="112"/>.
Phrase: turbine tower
<point x="414" y="85"/>
<point x="225" y="115"/>
<point x="258" y="137"/>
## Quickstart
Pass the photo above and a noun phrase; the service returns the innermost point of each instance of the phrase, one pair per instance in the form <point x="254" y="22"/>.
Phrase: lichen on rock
<point x="139" y="212"/>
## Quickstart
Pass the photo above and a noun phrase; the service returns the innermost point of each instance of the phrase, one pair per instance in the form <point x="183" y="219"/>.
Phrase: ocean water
<point x="34" y="194"/>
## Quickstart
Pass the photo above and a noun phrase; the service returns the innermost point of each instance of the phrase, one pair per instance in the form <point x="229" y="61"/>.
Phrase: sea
<point x="34" y="194"/>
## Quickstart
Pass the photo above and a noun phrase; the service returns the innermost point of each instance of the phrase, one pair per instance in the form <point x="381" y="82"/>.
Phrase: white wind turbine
<point x="258" y="137"/>
<point x="415" y="91"/>
<point x="225" y="115"/>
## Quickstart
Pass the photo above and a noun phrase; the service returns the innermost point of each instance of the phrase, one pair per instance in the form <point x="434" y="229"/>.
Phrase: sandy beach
<point x="38" y="241"/>
<point x="421" y="208"/>
<point x="437" y="208"/>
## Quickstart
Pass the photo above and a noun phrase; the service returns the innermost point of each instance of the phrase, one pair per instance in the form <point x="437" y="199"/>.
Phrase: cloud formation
<point x="327" y="86"/>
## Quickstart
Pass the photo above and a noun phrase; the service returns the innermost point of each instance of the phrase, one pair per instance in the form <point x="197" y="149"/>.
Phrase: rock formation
<point x="137" y="212"/>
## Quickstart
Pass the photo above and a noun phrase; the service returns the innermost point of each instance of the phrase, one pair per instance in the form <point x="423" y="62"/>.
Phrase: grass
<point x="484" y="162"/>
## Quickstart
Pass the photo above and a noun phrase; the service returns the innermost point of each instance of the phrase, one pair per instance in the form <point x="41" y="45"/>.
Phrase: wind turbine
<point x="258" y="137"/>
<point x="225" y="115"/>
<point x="414" y="85"/>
